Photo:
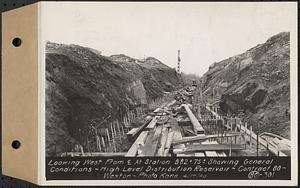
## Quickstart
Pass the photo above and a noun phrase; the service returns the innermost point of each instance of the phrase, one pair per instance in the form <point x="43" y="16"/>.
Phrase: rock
<point x="256" y="81"/>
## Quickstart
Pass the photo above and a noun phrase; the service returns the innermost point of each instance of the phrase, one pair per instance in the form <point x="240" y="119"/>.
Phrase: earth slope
<point x="82" y="85"/>
<point x="255" y="85"/>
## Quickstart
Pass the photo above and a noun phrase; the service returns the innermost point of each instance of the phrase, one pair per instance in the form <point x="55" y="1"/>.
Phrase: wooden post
<point x="128" y="116"/>
<point x="230" y="147"/>
<point x="81" y="150"/>
<point x="114" y="144"/>
<point x="114" y="127"/>
<point x="112" y="131"/>
<point x="257" y="144"/>
<point x="126" y="120"/>
<point x="245" y="132"/>
<point x="223" y="121"/>
<point x="107" y="132"/>
<point x="119" y="131"/>
<point x="123" y="120"/>
<point x="99" y="143"/>
<point x="103" y="142"/>
<point x="235" y="121"/>
<point x="222" y="136"/>
<point x="118" y="126"/>
<point x="250" y="136"/>
<point x="122" y="127"/>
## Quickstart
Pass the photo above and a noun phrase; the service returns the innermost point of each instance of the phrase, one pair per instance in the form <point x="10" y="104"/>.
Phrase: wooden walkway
<point x="168" y="139"/>
<point x="249" y="135"/>
<point x="163" y="136"/>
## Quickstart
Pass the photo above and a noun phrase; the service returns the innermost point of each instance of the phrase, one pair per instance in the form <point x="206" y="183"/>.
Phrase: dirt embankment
<point x="82" y="85"/>
<point x="255" y="84"/>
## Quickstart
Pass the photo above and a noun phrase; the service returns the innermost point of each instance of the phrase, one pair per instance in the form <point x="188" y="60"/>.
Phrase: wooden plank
<point x="169" y="142"/>
<point x="201" y="137"/>
<point x="132" y="131"/>
<point x="135" y="146"/>
<point x="213" y="147"/>
<point x="219" y="153"/>
<point x="199" y="154"/>
<point x="187" y="131"/>
<point x="147" y="143"/>
<point x="166" y="111"/>
<point x="151" y="143"/>
<point x="171" y="103"/>
<point x="183" y="155"/>
<point x="163" y="140"/>
<point x="177" y="134"/>
<point x="132" y="151"/>
<point x="156" y="110"/>
<point x="198" y="129"/>
<point x="152" y="123"/>
<point x="209" y="153"/>
<point x="139" y="129"/>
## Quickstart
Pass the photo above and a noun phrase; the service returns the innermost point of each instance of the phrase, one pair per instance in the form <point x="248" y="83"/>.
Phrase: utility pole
<point x="178" y="64"/>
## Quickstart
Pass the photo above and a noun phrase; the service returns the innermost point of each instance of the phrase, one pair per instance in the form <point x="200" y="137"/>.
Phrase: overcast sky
<point x="204" y="32"/>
